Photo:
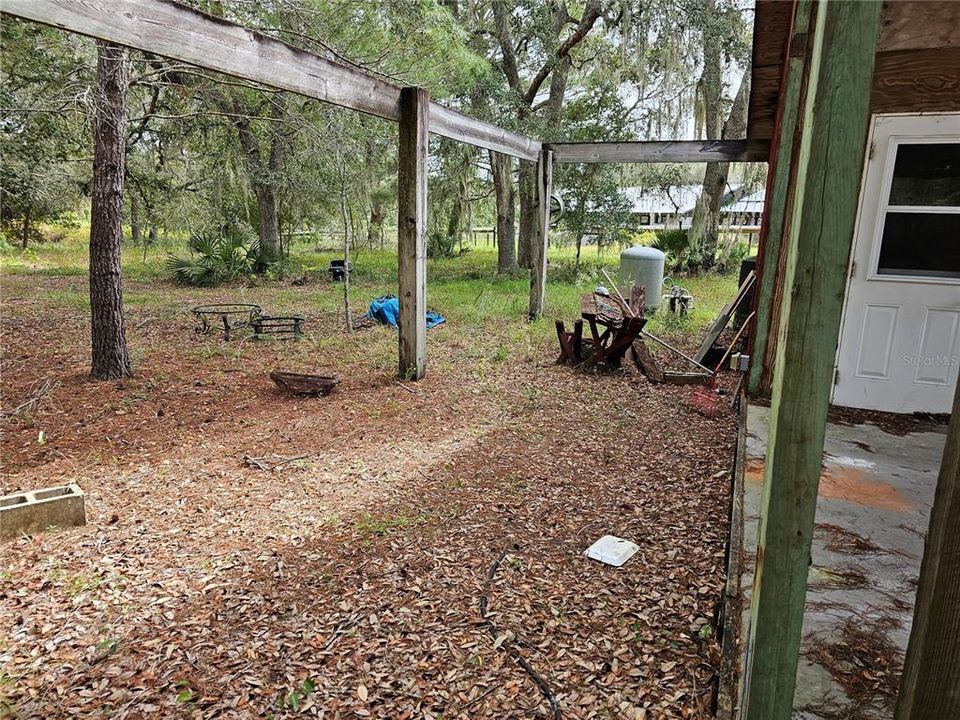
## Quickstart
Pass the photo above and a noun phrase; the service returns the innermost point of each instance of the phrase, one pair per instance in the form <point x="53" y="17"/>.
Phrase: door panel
<point x="937" y="346"/>
<point x="899" y="346"/>
<point x="876" y="341"/>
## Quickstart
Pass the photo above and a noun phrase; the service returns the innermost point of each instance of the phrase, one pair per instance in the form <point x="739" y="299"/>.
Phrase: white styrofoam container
<point x="612" y="550"/>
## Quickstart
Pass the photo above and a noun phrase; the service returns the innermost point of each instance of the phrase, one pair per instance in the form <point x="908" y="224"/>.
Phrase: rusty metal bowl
<point x="301" y="384"/>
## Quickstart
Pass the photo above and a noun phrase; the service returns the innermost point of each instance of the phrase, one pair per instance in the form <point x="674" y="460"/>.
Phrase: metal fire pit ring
<point x="229" y="316"/>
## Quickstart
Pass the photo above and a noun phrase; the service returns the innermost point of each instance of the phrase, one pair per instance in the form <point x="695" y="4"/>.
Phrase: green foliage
<point x="440" y="244"/>
<point x="674" y="243"/>
<point x="574" y="272"/>
<point x="218" y="257"/>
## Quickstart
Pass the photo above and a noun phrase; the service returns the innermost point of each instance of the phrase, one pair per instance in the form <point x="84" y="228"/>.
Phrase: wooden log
<point x="685" y="378"/>
<point x="179" y="32"/>
<point x="668" y="151"/>
<point x="646" y="362"/>
<point x="538" y="261"/>
<point x="833" y="126"/>
<point x="411" y="231"/>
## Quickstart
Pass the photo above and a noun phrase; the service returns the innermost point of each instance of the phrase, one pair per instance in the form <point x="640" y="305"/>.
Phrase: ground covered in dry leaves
<point x="401" y="551"/>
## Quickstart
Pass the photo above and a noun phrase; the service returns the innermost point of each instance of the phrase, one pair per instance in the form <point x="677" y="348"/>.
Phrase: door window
<point x="921" y="218"/>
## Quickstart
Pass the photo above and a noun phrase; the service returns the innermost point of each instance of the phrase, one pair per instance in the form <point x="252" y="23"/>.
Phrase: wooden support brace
<point x="780" y="177"/>
<point x="930" y="686"/>
<point x="411" y="230"/>
<point x="833" y="128"/>
<point x="538" y="260"/>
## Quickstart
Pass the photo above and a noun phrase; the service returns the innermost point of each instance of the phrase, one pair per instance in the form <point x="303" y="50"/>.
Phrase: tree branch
<point x="591" y="13"/>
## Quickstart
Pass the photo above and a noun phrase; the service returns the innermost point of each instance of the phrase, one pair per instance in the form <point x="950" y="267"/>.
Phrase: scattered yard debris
<point x="229" y="316"/>
<point x="620" y="327"/>
<point x="507" y="641"/>
<point x="705" y="399"/>
<point x="614" y="326"/>
<point x="685" y="378"/>
<point x="612" y="550"/>
<point x="36" y="395"/>
<point x="718" y="326"/>
<point x="280" y="326"/>
<point x="339" y="268"/>
<point x="646" y="362"/>
<point x="846" y="542"/>
<point x="865" y="663"/>
<point x="675" y="351"/>
<point x="822" y="578"/>
<point x="386" y="311"/>
<point x="679" y="301"/>
<point x="301" y="384"/>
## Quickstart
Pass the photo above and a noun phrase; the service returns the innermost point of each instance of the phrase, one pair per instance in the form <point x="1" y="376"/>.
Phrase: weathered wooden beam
<point x="412" y="231"/>
<point x="780" y="175"/>
<point x="930" y="685"/>
<point x="826" y="192"/>
<point x="181" y="33"/>
<point x="457" y="126"/>
<point x="538" y="259"/>
<point x="662" y="151"/>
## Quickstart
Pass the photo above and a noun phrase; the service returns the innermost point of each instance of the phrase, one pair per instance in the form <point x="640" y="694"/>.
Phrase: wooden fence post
<point x="538" y="261"/>
<point x="830" y="157"/>
<point x="778" y="184"/>
<point x="930" y="686"/>
<point x="412" y="229"/>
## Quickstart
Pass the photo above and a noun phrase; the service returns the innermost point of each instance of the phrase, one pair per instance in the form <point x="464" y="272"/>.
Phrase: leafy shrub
<point x="566" y="271"/>
<point x="217" y="257"/>
<point x="440" y="245"/>
<point x="737" y="253"/>
<point x="675" y="245"/>
<point x="646" y="238"/>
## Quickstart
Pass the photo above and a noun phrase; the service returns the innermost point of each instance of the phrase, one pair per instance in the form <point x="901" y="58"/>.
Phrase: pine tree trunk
<point x="110" y="359"/>
<point x="135" y="232"/>
<point x="528" y="213"/>
<point x="502" y="169"/>
<point x="26" y="227"/>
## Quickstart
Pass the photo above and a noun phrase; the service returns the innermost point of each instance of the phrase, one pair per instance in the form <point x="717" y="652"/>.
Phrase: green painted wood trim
<point x="823" y="213"/>
<point x="778" y="195"/>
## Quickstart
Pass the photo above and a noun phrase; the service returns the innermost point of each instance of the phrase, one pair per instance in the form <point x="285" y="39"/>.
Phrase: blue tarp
<point x="386" y="310"/>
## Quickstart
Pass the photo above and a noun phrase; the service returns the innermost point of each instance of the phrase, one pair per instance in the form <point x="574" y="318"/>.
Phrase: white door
<point x="899" y="347"/>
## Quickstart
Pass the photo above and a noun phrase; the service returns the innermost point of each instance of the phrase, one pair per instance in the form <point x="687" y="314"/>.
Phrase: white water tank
<point x="642" y="266"/>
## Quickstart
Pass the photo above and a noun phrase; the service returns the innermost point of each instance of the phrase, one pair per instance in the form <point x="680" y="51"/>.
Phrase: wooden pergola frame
<point x="819" y="143"/>
<point x="166" y="28"/>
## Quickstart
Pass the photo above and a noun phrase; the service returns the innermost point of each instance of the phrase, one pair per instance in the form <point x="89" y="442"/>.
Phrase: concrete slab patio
<point x="876" y="490"/>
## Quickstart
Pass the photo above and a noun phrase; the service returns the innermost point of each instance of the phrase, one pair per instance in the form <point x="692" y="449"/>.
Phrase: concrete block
<point x="39" y="509"/>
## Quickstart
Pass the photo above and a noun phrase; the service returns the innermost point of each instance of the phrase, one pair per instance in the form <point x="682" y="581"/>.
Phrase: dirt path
<point x="348" y="583"/>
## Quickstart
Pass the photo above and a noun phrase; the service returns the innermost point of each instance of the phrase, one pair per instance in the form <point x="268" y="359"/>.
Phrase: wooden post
<point x="538" y="261"/>
<point x="778" y="184"/>
<point x="930" y="686"/>
<point x="412" y="229"/>
<point x="823" y="213"/>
